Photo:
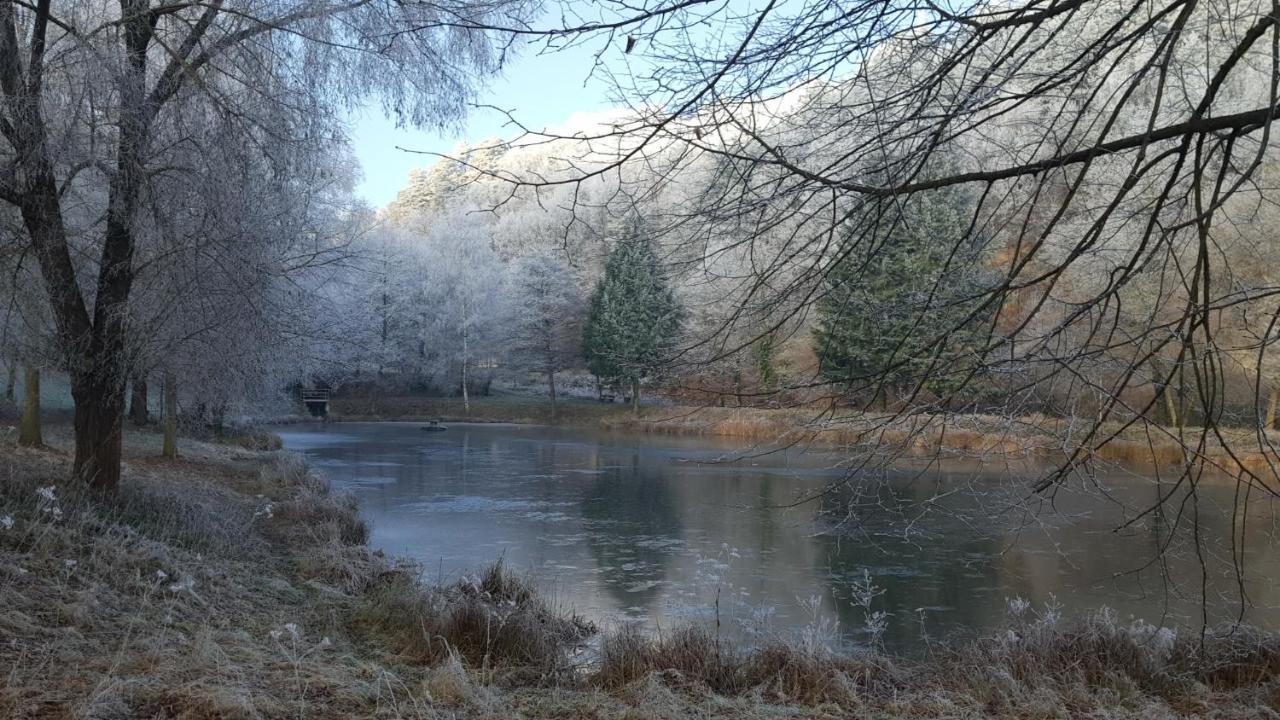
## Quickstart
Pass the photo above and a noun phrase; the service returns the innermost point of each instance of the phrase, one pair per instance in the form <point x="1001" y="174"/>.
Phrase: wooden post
<point x="170" y="449"/>
<point x="29" y="426"/>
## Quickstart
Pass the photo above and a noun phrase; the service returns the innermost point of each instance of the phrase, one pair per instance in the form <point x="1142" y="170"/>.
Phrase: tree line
<point x="1020" y="208"/>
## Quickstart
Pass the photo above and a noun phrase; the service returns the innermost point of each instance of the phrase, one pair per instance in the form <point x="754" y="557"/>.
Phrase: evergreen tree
<point x="895" y="306"/>
<point x="633" y="317"/>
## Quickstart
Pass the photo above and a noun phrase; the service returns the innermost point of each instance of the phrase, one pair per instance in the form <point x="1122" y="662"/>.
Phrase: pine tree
<point x="896" y="302"/>
<point x="634" y="317"/>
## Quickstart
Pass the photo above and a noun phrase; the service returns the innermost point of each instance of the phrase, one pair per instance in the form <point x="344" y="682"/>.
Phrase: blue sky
<point x="539" y="90"/>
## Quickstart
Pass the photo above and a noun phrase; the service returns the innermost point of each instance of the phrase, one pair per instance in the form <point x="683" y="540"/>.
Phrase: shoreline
<point x="232" y="583"/>
<point x="1037" y="440"/>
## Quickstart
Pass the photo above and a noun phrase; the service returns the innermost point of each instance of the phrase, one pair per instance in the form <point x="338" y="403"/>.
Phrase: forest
<point x="1028" y="238"/>
<point x="975" y="258"/>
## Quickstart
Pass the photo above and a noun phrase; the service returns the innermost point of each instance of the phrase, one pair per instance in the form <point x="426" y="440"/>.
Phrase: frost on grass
<point x="180" y="598"/>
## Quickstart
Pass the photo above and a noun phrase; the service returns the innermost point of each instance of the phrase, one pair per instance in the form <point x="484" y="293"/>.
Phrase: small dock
<point x="317" y="402"/>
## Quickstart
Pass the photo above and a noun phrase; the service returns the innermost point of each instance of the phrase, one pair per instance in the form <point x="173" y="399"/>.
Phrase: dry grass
<point x="1036" y="438"/>
<point x="693" y="657"/>
<point x="495" y="624"/>
<point x="1097" y="667"/>
<point x="171" y="599"/>
<point x="310" y="514"/>
<point x="1100" y="663"/>
<point x="234" y="584"/>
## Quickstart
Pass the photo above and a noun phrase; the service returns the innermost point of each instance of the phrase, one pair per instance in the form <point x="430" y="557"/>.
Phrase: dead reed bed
<point x="1035" y="439"/>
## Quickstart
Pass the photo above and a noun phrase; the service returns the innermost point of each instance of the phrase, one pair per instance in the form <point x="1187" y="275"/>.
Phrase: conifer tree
<point x="897" y="300"/>
<point x="634" y="317"/>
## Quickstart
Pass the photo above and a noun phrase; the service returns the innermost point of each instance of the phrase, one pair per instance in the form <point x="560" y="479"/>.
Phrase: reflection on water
<point x="667" y="530"/>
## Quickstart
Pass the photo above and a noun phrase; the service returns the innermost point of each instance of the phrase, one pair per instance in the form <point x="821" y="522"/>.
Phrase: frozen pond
<point x="667" y="530"/>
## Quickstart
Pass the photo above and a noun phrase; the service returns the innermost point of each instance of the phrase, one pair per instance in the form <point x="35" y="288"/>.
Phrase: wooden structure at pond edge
<point x="317" y="401"/>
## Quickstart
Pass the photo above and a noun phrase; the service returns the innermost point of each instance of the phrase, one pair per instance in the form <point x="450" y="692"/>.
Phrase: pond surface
<point x="668" y="530"/>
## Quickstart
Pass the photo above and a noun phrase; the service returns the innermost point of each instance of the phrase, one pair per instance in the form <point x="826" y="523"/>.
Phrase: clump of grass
<point x="791" y="674"/>
<point x="448" y="683"/>
<point x="688" y="654"/>
<point x="253" y="438"/>
<point x="350" y="568"/>
<point x="290" y="470"/>
<point x="692" y="656"/>
<point x="499" y="584"/>
<point x="1237" y="656"/>
<point x="311" y="506"/>
<point x="320" y="517"/>
<point x="496" y="622"/>
<point x="626" y="655"/>
<point x="1100" y="657"/>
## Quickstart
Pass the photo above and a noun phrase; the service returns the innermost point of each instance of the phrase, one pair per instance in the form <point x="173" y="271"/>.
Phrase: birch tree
<point x="465" y="296"/>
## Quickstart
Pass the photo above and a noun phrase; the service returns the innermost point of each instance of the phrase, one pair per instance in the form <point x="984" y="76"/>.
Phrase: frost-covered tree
<point x="634" y="319"/>
<point x="27" y="332"/>
<point x="226" y="299"/>
<point x="102" y="104"/>
<point x="547" y="317"/>
<point x="466" y="299"/>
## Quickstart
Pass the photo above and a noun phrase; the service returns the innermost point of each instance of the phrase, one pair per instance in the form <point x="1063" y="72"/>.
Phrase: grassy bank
<point x="1034" y="438"/>
<point x="233" y="584"/>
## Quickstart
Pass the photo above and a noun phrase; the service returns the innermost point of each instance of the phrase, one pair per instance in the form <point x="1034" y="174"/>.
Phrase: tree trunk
<point x="635" y="396"/>
<point x="1170" y="406"/>
<point x="466" y="398"/>
<point x="11" y="382"/>
<point x="551" y="385"/>
<point x="99" y="429"/>
<point x="1269" y="423"/>
<point x="170" y="449"/>
<point x="138" y="401"/>
<point x="218" y="418"/>
<point x="29" y="426"/>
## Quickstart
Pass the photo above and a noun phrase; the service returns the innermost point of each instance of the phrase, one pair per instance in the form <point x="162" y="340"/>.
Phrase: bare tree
<point x="548" y="317"/>
<point x="90" y="89"/>
<point x="465" y="297"/>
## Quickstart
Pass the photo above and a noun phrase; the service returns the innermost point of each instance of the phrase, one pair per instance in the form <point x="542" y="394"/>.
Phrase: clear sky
<point x="539" y="90"/>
